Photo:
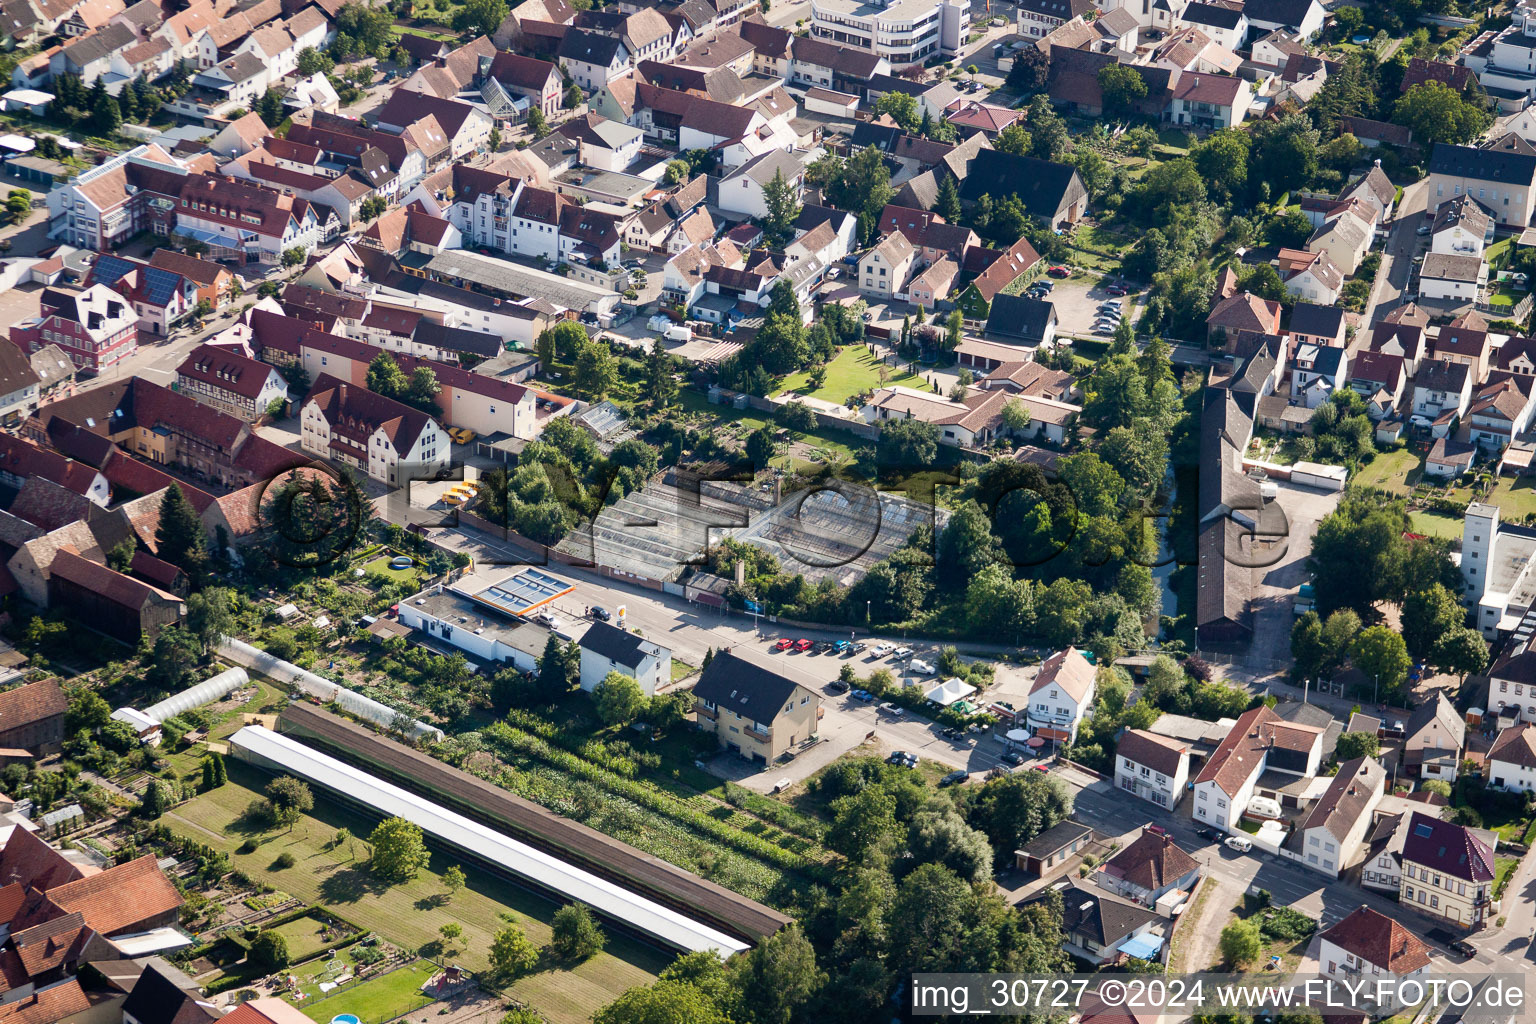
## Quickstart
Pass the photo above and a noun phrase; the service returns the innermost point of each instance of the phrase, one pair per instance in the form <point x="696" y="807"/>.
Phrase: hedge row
<point x="645" y="796"/>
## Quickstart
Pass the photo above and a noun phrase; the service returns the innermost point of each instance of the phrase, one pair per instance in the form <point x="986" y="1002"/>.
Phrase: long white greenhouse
<point x="263" y="747"/>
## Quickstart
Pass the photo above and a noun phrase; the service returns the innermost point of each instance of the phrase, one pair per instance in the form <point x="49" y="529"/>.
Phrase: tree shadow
<point x="348" y="885"/>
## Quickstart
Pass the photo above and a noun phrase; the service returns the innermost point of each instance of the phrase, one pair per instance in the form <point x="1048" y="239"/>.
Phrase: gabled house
<point x="1370" y="945"/>
<point x="1052" y="193"/>
<point x="1442" y="392"/>
<point x="1345" y="239"/>
<point x="1241" y="312"/>
<point x="593" y="58"/>
<point x="1452" y="278"/>
<point x="606" y="648"/>
<point x="1148" y="868"/>
<point x="1512" y="759"/>
<point x="1225" y="24"/>
<point x="1434" y="740"/>
<point x="1061" y="696"/>
<point x="1316" y="372"/>
<point x="1461" y="228"/>
<point x="1152" y="767"/>
<point x="1501" y="181"/>
<point x="1317" y="325"/>
<point x="1210" y="101"/>
<point x="1311" y="275"/>
<point x="1021" y="319"/>
<point x="231" y="382"/>
<point x="1465" y="340"/>
<point x="388" y="440"/>
<point x="1097" y="927"/>
<point x="1301" y="18"/>
<point x="1331" y="838"/>
<point x="1501" y="409"/>
<point x="753" y="710"/>
<point x="1260" y="741"/>
<point x="883" y="271"/>
<point x="1448" y="459"/>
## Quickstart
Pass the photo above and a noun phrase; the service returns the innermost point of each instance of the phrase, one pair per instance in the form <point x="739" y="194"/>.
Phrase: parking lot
<point x="1077" y="300"/>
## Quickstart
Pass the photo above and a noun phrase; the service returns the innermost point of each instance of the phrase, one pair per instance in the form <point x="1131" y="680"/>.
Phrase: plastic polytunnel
<point x="353" y="703"/>
<point x="206" y="692"/>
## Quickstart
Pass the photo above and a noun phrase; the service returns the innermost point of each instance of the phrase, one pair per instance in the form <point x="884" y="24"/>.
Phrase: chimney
<point x="343" y="390"/>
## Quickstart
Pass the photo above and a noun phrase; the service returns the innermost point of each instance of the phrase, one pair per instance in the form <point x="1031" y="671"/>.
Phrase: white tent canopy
<point x="949" y="691"/>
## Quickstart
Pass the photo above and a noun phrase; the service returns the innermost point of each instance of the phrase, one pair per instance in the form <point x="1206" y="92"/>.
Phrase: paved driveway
<point x="1077" y="301"/>
<point x="1275" y="586"/>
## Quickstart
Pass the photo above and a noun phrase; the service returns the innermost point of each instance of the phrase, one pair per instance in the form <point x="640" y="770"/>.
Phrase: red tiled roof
<point x="45" y="946"/>
<point x="1240" y="753"/>
<point x="29" y="862"/>
<point x="70" y="565"/>
<point x="26" y="704"/>
<point x="47" y="1006"/>
<point x="119" y="897"/>
<point x="1379" y="940"/>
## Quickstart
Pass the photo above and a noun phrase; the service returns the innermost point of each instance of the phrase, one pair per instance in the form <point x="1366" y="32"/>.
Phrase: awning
<point x="1059" y="735"/>
<point x="1143" y="946"/>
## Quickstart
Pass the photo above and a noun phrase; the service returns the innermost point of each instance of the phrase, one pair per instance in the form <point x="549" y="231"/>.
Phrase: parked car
<point x="825" y="646"/>
<point x="857" y="647"/>
<point x="783" y="644"/>
<point x="1118" y="289"/>
<point x="921" y="668"/>
<point x="802" y="645"/>
<point x="1060" y="270"/>
<point x="1013" y="757"/>
<point x="955" y="777"/>
<point x="902" y="653"/>
<point x="1424" y="229"/>
<point x="549" y="618"/>
<point x="1242" y="844"/>
<point x="601" y="614"/>
<point x="1208" y="833"/>
<point x="837" y="686"/>
<point x="949" y="732"/>
<point x="894" y="709"/>
<point x="1103" y="328"/>
<point x="882" y="648"/>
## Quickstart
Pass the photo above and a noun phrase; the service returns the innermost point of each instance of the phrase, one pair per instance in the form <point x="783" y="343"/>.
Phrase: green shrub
<point x="1282" y="924"/>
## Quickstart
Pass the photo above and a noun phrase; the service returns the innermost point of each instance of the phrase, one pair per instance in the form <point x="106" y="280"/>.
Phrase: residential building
<point x="883" y="271"/>
<point x="1370" y="947"/>
<point x="1501" y="181"/>
<point x="1061" y="696"/>
<point x="1453" y="279"/>
<point x="1330" y="839"/>
<point x="903" y="32"/>
<point x="1317" y="325"/>
<point x="1346" y="239"/>
<point x="1501" y="409"/>
<point x="213" y="282"/>
<point x="1442" y="392"/>
<point x="1383" y="868"/>
<point x="1039" y="18"/>
<point x="1238" y="313"/>
<point x="1052" y="193"/>
<point x="231" y="382"/>
<point x="1224" y="24"/>
<point x="606" y="648"/>
<point x="1461" y="228"/>
<point x="1448" y="870"/>
<point x="1150" y="867"/>
<point x="1097" y="927"/>
<point x="752" y="710"/>
<point x="741" y="191"/>
<point x="1054" y="848"/>
<point x="1260" y="741"/>
<point x="19" y="385"/>
<point x="1303" y="19"/>
<point x="161" y="298"/>
<point x="1210" y="101"/>
<point x="1317" y="371"/>
<point x="1512" y="759"/>
<point x="1311" y="275"/>
<point x="1020" y="319"/>
<point x="96" y="327"/>
<point x="1152" y="767"/>
<point x="392" y="442"/>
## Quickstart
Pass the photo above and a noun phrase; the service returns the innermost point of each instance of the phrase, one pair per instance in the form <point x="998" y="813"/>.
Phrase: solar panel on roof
<point x="1423" y="831"/>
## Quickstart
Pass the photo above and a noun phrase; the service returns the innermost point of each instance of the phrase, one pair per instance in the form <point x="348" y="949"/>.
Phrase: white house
<point x="741" y="191"/>
<point x="1260" y="740"/>
<point x="369" y="432"/>
<point x="1368" y="946"/>
<point x="1501" y="409"/>
<point x="1152" y="767"/>
<point x="1461" y="228"/>
<point x="1061" y="697"/>
<point x="1512" y="761"/>
<point x="606" y="649"/>
<point x="1330" y="838"/>
<point x="1311" y="275"/>
<point x="1318" y="371"/>
<point x="1442" y="391"/>
<point x="1452" y="278"/>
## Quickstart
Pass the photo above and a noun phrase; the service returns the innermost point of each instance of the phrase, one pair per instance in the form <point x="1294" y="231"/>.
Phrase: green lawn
<point x="381" y="566"/>
<point x="305" y="936"/>
<point x="1436" y="524"/>
<point x="384" y="998"/>
<point x="852" y="372"/>
<point x="1503" y="868"/>
<point x="409" y="915"/>
<point x="837" y="442"/>
<point x="681" y="669"/>
<point x="1390" y="470"/>
<point x="1516" y="497"/>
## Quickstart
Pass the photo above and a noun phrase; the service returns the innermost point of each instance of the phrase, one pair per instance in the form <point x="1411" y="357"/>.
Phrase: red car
<point x="803" y="645"/>
<point x="784" y="644"/>
<point x="1060" y="271"/>
<point x="1118" y="289"/>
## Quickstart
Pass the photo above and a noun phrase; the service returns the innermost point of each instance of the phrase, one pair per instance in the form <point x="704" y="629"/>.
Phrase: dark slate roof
<point x="1327" y="321"/>
<point x="156" y="1000"/>
<point x="1040" y="184"/>
<point x="1289" y="13"/>
<point x="733" y="683"/>
<point x="1058" y="837"/>
<point x="590" y="47"/>
<point x="1483" y="164"/>
<point x="1066" y="10"/>
<point x="1019" y="316"/>
<point x="1212" y="14"/>
<point x="1103" y="918"/>
<point x="457" y="339"/>
<point x="618" y="645"/>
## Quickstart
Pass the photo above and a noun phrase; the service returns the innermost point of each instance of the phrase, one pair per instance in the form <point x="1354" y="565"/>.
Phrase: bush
<point x="270" y="949"/>
<point x="283" y="862"/>
<point x="1286" y="925"/>
<point x="576" y="934"/>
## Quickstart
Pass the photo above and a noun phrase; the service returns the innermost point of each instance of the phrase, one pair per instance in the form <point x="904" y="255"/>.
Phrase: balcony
<point x="758" y="733"/>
